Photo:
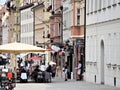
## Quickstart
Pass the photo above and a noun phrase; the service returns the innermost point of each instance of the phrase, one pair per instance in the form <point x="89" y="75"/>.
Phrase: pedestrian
<point x="65" y="70"/>
<point x="42" y="67"/>
<point x="10" y="75"/>
<point x="49" y="68"/>
<point x="57" y="70"/>
<point x="78" y="68"/>
<point x="35" y="72"/>
<point x="53" y="71"/>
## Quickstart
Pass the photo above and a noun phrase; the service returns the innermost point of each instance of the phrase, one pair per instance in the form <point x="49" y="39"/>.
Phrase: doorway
<point x="102" y="62"/>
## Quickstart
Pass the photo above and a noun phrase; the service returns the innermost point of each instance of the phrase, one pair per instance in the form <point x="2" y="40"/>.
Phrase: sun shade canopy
<point x="20" y="48"/>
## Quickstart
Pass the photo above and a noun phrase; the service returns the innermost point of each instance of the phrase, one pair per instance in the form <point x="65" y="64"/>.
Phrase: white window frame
<point x="87" y="6"/>
<point x="108" y="3"/>
<point x="91" y="5"/>
<point x="96" y="5"/>
<point x="103" y="4"/>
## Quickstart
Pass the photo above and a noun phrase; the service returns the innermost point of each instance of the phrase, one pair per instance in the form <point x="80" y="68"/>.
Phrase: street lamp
<point x="84" y="30"/>
<point x="61" y="8"/>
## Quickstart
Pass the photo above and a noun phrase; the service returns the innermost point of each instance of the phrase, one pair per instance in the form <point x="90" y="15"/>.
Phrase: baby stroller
<point x="40" y="76"/>
<point x="47" y="76"/>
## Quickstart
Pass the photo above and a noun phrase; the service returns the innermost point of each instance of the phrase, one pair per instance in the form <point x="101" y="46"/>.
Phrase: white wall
<point x="102" y="15"/>
<point x="103" y="25"/>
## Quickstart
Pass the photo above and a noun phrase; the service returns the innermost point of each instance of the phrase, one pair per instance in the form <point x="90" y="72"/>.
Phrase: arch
<point x="102" y="61"/>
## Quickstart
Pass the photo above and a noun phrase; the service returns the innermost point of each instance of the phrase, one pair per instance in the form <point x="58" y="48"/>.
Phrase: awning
<point x="55" y="48"/>
<point x="34" y="58"/>
<point x="22" y="55"/>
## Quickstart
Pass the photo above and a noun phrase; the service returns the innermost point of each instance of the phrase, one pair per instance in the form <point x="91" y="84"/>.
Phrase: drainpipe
<point x="74" y="13"/>
<point x="34" y="27"/>
<point x="85" y="30"/>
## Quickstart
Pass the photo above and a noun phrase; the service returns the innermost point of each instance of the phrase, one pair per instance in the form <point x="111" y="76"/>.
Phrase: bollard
<point x="71" y="75"/>
<point x="95" y="78"/>
<point x="114" y="81"/>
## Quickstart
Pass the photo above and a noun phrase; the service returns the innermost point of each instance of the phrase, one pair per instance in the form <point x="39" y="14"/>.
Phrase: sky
<point x="2" y="2"/>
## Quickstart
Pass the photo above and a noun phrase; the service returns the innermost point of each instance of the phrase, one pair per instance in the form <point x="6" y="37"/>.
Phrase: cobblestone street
<point x="60" y="84"/>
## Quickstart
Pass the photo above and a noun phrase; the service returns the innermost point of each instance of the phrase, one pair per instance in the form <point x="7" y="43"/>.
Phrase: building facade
<point x="56" y="29"/>
<point x="77" y="35"/>
<point x="27" y="25"/>
<point x="102" y="42"/>
<point x="41" y="27"/>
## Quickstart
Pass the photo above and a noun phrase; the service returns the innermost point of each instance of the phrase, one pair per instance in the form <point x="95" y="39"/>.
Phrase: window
<point x="96" y="5"/>
<point x="59" y="29"/>
<point x="109" y="3"/>
<point x="43" y="34"/>
<point x="78" y="11"/>
<point x="114" y="2"/>
<point x="91" y="5"/>
<point x="87" y="6"/>
<point x="78" y="16"/>
<point x="118" y="1"/>
<point x="78" y="20"/>
<point x="103" y="4"/>
<point x="64" y="23"/>
<point x="99" y="5"/>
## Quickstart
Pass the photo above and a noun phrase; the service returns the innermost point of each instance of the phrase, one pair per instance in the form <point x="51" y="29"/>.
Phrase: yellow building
<point x="14" y="28"/>
<point x="41" y="27"/>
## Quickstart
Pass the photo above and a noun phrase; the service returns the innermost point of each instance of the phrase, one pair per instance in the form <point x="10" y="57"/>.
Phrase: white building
<point x="5" y="26"/>
<point x="67" y="14"/>
<point x="27" y="25"/>
<point x="103" y="42"/>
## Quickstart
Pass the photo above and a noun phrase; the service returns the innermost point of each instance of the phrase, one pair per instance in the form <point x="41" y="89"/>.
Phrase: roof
<point x="38" y="5"/>
<point x="26" y="6"/>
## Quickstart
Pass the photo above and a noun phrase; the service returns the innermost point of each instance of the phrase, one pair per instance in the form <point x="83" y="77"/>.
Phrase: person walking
<point x="10" y="75"/>
<point x="79" y="70"/>
<point x="65" y="70"/>
<point x="53" y="71"/>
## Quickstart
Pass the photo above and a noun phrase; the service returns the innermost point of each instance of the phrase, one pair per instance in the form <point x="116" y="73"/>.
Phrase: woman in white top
<point x="79" y="69"/>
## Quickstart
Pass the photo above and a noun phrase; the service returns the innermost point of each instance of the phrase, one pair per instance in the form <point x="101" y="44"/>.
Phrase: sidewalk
<point x="59" y="84"/>
<point x="81" y="85"/>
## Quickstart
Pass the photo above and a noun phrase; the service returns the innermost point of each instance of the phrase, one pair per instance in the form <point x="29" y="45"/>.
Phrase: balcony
<point x="77" y="30"/>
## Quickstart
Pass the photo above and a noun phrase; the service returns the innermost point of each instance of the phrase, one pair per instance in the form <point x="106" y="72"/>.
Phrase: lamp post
<point x="84" y="30"/>
<point x="61" y="8"/>
<point x="62" y="56"/>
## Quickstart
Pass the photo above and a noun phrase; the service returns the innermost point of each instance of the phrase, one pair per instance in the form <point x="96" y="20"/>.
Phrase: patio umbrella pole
<point x="15" y="68"/>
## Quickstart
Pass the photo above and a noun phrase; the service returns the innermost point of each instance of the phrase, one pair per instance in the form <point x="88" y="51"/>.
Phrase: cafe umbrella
<point x="16" y="48"/>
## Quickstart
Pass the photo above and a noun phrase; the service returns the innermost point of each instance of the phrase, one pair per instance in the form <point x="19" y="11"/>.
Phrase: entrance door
<point x="69" y="61"/>
<point x="102" y="62"/>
